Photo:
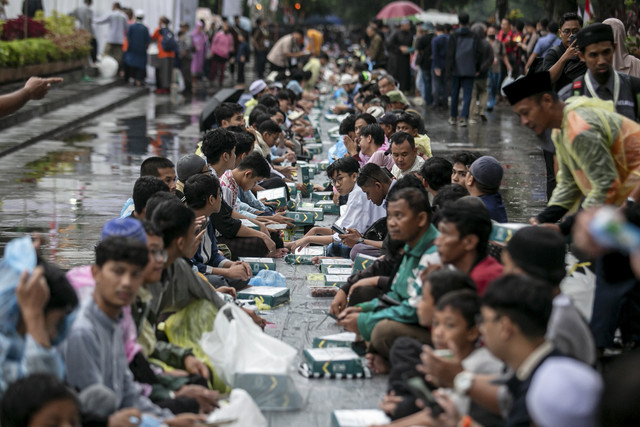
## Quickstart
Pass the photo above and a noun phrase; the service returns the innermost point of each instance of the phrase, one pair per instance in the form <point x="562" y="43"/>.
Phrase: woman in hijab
<point x="199" y="53"/>
<point x="622" y="60"/>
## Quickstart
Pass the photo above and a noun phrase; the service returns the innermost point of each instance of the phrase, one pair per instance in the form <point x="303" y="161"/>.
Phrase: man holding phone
<point x="562" y="61"/>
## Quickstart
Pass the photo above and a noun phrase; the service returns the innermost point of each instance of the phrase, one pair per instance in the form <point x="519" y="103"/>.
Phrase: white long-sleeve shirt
<point x="360" y="213"/>
<point x="117" y="21"/>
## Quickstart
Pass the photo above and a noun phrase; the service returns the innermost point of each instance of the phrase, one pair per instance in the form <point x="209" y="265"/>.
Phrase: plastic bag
<point x="237" y="345"/>
<point x="337" y="151"/>
<point x="242" y="409"/>
<point x="268" y="278"/>
<point x="19" y="255"/>
<point x="108" y="66"/>
<point x="185" y="329"/>
<point x="246" y="357"/>
<point x="507" y="81"/>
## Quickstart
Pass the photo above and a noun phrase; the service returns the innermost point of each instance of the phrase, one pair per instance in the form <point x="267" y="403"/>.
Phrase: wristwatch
<point x="360" y="240"/>
<point x="463" y="382"/>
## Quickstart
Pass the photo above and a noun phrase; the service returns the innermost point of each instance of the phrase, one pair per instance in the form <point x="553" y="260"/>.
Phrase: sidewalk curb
<point x="74" y="122"/>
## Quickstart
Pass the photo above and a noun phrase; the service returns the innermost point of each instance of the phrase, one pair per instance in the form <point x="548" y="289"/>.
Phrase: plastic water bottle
<point x="298" y="198"/>
<point x="611" y="230"/>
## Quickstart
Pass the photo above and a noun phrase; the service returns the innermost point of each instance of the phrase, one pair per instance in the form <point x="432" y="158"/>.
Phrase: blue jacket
<point x="207" y="255"/>
<point x="493" y="203"/>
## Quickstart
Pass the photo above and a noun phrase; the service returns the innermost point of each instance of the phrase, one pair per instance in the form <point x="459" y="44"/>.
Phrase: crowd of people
<point x="470" y="330"/>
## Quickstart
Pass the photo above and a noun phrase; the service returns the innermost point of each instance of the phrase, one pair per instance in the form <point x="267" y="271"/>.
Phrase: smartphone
<point x="338" y="229"/>
<point x="333" y="316"/>
<point x="572" y="39"/>
<point x="420" y="390"/>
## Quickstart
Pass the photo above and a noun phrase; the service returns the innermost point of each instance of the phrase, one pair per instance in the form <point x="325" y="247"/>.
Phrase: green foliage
<point x="62" y="42"/>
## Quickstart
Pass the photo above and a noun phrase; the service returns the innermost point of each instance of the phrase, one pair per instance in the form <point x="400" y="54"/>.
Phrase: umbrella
<point x="323" y="20"/>
<point x="398" y="9"/>
<point x="245" y="24"/>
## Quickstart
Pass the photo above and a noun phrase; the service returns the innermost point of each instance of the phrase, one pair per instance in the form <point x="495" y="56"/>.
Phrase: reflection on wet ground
<point x="68" y="188"/>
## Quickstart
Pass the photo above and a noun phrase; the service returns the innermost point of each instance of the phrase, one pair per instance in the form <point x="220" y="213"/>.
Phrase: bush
<point x="13" y="29"/>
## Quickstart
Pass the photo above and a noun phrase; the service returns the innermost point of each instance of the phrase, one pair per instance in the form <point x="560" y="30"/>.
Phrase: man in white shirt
<point x="359" y="212"/>
<point x="405" y="156"/>
<point x="117" y="21"/>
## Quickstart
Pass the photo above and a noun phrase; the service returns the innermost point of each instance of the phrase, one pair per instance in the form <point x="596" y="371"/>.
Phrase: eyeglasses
<point x="568" y="31"/>
<point x="158" y="255"/>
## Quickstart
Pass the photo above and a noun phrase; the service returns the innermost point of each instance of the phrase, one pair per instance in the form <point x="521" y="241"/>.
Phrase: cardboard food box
<point x="315" y="277"/>
<point x="311" y="250"/>
<point x="322" y="195"/>
<point x="318" y="213"/>
<point x="271" y="295"/>
<point x="323" y="165"/>
<point x="249" y="224"/>
<point x="303" y="174"/>
<point x="328" y="207"/>
<point x="343" y="339"/>
<point x="278" y="195"/>
<point x="314" y="148"/>
<point x="502" y="233"/>
<point x="299" y="259"/>
<point x="258" y="264"/>
<point x="293" y="190"/>
<point x="358" y="418"/>
<point x="336" y="279"/>
<point x="332" y="361"/>
<point x="362" y="262"/>
<point x="340" y="271"/>
<point x="305" y="218"/>
<point x="292" y="233"/>
<point x="327" y="263"/>
<point x="270" y="391"/>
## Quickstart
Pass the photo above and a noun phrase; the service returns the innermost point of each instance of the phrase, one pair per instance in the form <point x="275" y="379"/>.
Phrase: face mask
<point x="492" y="36"/>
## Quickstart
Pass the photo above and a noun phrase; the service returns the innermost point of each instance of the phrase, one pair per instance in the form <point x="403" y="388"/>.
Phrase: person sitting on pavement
<point x="256" y="89"/>
<point x="203" y="195"/>
<point x="483" y="180"/>
<point x="449" y="309"/>
<point x="397" y="101"/>
<point x="377" y="185"/>
<point x="93" y="349"/>
<point x="144" y="188"/>
<point x="229" y="114"/>
<point x="382" y="320"/>
<point x="189" y="165"/>
<point x="436" y="173"/>
<point x="388" y="123"/>
<point x="464" y="229"/>
<point x="413" y="124"/>
<point x="405" y="155"/>
<point x="350" y="86"/>
<point x="462" y="161"/>
<point x="515" y="311"/>
<point x="219" y="148"/>
<point x="359" y="213"/>
<point x="160" y="167"/>
<point x="540" y="252"/>
<point x="374" y="145"/>
<point x="353" y="145"/>
<point x="35" y="319"/>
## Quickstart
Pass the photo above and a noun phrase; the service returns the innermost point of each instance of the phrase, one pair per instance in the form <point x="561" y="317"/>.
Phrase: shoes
<point x="471" y="122"/>
<point x="462" y="122"/>
<point x="452" y="121"/>
<point x="483" y="117"/>
<point x="489" y="109"/>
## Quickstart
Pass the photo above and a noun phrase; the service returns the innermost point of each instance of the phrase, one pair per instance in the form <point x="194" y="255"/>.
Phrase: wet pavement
<point x="70" y="186"/>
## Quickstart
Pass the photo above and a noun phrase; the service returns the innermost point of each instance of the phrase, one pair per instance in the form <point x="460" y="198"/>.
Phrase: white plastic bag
<point x="19" y="256"/>
<point x="108" y="66"/>
<point x="240" y="411"/>
<point x="238" y="346"/>
<point x="507" y="81"/>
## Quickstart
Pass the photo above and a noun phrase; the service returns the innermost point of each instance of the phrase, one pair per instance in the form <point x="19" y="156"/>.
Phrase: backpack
<point x="169" y="43"/>
<point x="465" y="55"/>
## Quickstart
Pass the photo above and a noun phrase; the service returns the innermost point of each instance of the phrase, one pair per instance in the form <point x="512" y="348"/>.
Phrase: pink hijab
<point x="622" y="61"/>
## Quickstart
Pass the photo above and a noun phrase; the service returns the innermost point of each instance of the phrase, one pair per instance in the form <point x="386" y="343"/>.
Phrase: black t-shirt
<point x="573" y="68"/>
<point x="224" y="223"/>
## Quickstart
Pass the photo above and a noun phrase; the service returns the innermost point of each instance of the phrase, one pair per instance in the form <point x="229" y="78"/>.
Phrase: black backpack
<point x="169" y="43"/>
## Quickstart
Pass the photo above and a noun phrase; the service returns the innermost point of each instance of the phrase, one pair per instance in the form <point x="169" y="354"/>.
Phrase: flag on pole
<point x="588" y="12"/>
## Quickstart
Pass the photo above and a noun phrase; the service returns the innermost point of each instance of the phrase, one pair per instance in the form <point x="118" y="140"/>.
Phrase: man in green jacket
<point x="382" y="320"/>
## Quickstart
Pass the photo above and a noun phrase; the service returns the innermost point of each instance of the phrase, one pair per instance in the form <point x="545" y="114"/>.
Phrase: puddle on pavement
<point x="68" y="193"/>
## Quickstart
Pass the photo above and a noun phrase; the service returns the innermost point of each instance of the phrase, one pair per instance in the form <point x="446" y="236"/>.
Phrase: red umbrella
<point x="398" y="9"/>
